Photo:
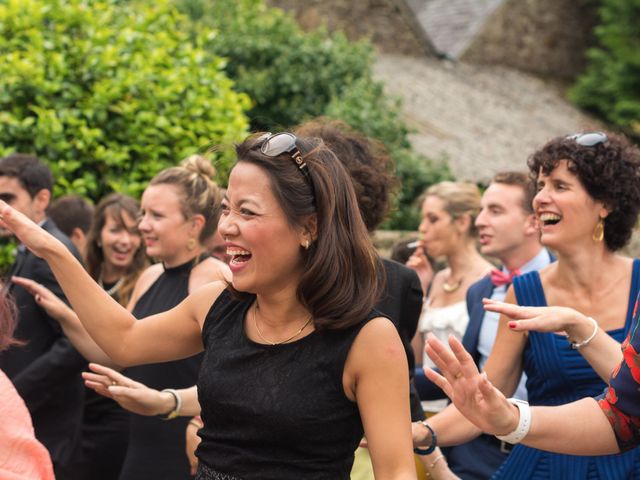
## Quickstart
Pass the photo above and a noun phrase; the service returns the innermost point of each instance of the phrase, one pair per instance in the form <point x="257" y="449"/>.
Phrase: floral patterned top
<point x="621" y="401"/>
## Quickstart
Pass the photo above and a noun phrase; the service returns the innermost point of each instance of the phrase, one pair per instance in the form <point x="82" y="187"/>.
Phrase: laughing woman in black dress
<point x="297" y="365"/>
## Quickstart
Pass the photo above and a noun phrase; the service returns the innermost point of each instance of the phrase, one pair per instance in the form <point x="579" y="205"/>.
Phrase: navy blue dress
<point x="557" y="374"/>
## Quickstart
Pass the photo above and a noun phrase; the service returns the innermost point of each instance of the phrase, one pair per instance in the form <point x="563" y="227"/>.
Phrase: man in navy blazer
<point x="46" y="368"/>
<point x="508" y="232"/>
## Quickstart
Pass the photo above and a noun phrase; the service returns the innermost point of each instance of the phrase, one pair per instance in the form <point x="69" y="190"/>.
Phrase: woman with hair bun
<point x="179" y="213"/>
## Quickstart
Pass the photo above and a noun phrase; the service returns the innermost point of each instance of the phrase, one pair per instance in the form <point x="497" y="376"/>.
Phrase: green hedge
<point x="109" y="92"/>
<point x="610" y="86"/>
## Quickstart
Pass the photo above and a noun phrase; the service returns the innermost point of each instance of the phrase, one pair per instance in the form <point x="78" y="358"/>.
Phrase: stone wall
<point x="387" y="23"/>
<point x="544" y="37"/>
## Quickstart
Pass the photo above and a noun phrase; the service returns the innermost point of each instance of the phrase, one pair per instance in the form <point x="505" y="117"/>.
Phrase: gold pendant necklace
<point x="269" y="342"/>
<point x="450" y="288"/>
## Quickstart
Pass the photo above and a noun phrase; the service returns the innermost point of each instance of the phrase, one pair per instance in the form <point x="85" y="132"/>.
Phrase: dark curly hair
<point x="367" y="162"/>
<point x="609" y="172"/>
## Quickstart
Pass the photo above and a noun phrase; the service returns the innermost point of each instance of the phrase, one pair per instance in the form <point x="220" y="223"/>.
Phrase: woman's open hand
<point x="30" y="234"/>
<point x="542" y="319"/>
<point x="469" y="390"/>
<point x="131" y="395"/>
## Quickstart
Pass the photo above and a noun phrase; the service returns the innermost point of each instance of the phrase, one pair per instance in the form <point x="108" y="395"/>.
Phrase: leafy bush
<point x="292" y="76"/>
<point x="109" y="93"/>
<point x="610" y="87"/>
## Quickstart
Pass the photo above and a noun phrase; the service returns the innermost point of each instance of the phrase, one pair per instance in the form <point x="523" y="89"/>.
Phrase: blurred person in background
<point x="72" y="214"/>
<point x="447" y="230"/>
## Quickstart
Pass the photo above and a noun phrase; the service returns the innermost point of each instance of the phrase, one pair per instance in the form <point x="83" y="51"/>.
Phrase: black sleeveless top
<point x="275" y="412"/>
<point x="157" y="446"/>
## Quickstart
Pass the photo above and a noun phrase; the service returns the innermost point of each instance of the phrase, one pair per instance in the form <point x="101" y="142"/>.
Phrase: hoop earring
<point x="598" y="231"/>
<point x="191" y="244"/>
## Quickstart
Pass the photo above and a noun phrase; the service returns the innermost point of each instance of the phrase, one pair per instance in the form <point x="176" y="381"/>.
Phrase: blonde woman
<point x="447" y="231"/>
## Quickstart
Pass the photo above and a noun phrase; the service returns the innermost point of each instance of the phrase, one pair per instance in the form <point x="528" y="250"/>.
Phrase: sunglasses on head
<point x="285" y="142"/>
<point x="589" y="139"/>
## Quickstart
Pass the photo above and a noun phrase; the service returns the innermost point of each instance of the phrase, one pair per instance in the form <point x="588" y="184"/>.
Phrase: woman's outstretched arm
<point x="69" y="321"/>
<point x="599" y="349"/>
<point x="166" y="336"/>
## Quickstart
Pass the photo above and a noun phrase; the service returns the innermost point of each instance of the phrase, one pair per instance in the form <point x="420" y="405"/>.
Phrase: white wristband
<point x="584" y="343"/>
<point x="176" y="410"/>
<point x="523" y="424"/>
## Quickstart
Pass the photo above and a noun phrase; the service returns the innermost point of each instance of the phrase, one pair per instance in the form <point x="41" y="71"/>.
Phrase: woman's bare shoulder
<point x="145" y="280"/>
<point x="207" y="271"/>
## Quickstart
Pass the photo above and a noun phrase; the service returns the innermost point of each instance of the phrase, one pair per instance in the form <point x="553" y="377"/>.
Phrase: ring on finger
<point x="458" y="376"/>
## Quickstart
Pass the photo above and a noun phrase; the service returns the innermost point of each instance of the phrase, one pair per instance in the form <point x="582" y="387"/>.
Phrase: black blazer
<point x="46" y="370"/>
<point x="402" y="303"/>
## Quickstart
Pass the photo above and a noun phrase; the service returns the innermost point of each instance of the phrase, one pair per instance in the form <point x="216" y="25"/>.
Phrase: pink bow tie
<point x="499" y="278"/>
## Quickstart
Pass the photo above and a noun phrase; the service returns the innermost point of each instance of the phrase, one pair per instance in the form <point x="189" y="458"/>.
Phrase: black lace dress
<point x="274" y="412"/>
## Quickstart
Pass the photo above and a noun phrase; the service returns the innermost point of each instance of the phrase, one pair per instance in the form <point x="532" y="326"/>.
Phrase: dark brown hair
<point x="522" y="180"/>
<point x="8" y="313"/>
<point x="367" y="162"/>
<point x="69" y="212"/>
<point x="200" y="194"/>
<point x="343" y="276"/>
<point x="114" y="205"/>
<point x="30" y="172"/>
<point x="609" y="172"/>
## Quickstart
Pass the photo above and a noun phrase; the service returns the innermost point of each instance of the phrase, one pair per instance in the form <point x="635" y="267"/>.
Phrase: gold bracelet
<point x="438" y="458"/>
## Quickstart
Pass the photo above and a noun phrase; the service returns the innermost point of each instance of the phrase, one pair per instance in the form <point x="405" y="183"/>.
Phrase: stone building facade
<point x="544" y="37"/>
<point x="389" y="24"/>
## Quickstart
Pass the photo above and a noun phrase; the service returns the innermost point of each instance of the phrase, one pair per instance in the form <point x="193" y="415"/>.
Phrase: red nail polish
<point x="512" y="325"/>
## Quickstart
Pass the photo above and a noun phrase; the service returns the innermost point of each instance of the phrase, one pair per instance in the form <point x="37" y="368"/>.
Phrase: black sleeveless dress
<point x="157" y="446"/>
<point x="274" y="412"/>
<point x="105" y="432"/>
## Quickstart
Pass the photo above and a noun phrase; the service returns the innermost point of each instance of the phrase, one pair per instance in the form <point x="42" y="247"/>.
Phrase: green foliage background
<point x="610" y="87"/>
<point x="111" y="92"/>
<point x="292" y="76"/>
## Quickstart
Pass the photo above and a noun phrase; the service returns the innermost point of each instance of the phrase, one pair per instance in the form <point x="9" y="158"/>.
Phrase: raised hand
<point x="469" y="390"/>
<point x="420" y="263"/>
<point x="30" y="234"/>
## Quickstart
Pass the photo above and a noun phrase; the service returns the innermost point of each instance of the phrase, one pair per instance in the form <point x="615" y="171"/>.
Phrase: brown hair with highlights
<point x="114" y="205"/>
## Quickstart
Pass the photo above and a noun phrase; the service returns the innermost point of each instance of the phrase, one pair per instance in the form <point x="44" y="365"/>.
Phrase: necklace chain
<point x="450" y="288"/>
<point x="113" y="289"/>
<point x="269" y="342"/>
